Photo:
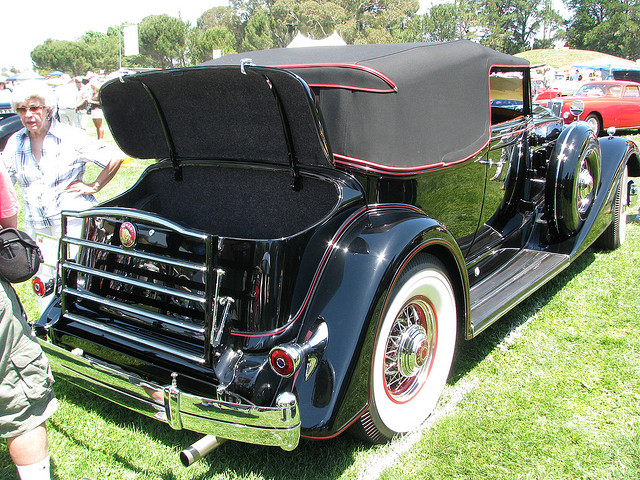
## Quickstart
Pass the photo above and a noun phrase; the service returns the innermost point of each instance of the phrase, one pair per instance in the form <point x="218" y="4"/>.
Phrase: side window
<point x="507" y="90"/>
<point x="632" y="91"/>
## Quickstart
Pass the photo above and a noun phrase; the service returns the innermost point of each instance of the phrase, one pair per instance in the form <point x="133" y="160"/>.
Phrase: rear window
<point x="507" y="95"/>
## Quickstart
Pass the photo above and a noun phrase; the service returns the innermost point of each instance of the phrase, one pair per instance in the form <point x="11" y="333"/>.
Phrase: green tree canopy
<point x="315" y="19"/>
<point x="608" y="26"/>
<point x="202" y="44"/>
<point x="510" y="26"/>
<point x="258" y="33"/>
<point x="94" y="51"/>
<point x="163" y="41"/>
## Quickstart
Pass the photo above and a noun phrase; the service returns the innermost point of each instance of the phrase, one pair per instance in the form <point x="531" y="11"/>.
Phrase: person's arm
<point x="9" y="222"/>
<point x="104" y="177"/>
<point x="8" y="199"/>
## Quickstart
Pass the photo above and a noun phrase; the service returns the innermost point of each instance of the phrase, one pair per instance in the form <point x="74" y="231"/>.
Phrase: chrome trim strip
<point x="134" y="253"/>
<point x="155" y="317"/>
<point x="143" y="341"/>
<point x="275" y="426"/>
<point x="131" y="281"/>
<point x="130" y="213"/>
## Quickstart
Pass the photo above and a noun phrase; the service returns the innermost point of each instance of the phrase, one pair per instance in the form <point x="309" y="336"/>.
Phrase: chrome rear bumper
<point x="276" y="426"/>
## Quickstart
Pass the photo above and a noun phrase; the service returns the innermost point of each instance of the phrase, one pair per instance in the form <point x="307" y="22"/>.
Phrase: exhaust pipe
<point x="199" y="449"/>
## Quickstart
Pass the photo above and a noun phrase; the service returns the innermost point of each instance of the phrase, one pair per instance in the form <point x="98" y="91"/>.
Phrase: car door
<point x="629" y="107"/>
<point x="504" y="214"/>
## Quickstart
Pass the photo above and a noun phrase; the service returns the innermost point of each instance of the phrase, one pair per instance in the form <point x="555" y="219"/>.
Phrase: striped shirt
<point x="65" y="153"/>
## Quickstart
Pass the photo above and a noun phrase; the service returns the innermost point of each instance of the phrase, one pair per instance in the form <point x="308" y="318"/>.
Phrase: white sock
<point x="35" y="471"/>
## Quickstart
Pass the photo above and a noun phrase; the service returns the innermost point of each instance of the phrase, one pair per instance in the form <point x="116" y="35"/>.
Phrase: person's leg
<point x="99" y="130"/>
<point x="30" y="447"/>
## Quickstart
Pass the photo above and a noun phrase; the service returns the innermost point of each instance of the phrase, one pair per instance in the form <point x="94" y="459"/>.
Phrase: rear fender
<point x="371" y="249"/>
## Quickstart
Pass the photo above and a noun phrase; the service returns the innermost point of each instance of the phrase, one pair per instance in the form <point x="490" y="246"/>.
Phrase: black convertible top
<point x="394" y="108"/>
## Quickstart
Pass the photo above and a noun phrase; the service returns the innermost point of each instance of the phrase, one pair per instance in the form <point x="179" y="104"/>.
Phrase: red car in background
<point x="606" y="104"/>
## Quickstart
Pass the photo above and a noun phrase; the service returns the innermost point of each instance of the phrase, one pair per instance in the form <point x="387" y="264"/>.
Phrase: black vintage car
<point x="9" y="123"/>
<point x="322" y="225"/>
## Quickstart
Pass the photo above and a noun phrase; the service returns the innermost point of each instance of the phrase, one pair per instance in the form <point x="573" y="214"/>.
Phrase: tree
<point x="95" y="51"/>
<point x="380" y="20"/>
<point x="215" y="17"/>
<point x="258" y="32"/>
<point x="608" y="26"/>
<point x="163" y="41"/>
<point x="510" y="26"/>
<point x="441" y="22"/>
<point x="316" y="19"/>
<point x="102" y="50"/>
<point x="224" y="17"/>
<point x="202" y="44"/>
<point x="551" y="27"/>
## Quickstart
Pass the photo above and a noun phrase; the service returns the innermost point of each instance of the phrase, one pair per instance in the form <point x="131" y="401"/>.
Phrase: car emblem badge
<point x="128" y="234"/>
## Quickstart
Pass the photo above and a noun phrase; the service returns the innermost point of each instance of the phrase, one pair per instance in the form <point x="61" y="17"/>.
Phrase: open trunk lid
<point x="243" y="113"/>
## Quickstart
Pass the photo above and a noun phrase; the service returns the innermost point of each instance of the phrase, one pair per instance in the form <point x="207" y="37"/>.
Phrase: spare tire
<point x="573" y="179"/>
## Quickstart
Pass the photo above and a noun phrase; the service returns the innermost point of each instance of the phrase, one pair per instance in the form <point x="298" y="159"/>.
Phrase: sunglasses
<point x="31" y="108"/>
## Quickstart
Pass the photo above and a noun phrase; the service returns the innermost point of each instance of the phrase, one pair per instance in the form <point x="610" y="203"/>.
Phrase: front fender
<point x="616" y="152"/>
<point x="363" y="263"/>
<point x="577" y="149"/>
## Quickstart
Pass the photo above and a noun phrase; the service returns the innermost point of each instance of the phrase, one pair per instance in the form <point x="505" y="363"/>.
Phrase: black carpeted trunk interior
<point x="233" y="202"/>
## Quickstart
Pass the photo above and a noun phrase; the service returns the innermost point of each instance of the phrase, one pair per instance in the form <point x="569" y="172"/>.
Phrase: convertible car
<point x="322" y="226"/>
<point x="606" y="104"/>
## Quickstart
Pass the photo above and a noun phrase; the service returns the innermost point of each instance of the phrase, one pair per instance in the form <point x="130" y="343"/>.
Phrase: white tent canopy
<point x="301" y="40"/>
<point x="608" y="64"/>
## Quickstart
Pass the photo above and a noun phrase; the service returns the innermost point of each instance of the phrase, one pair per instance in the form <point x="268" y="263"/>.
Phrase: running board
<point x="522" y="275"/>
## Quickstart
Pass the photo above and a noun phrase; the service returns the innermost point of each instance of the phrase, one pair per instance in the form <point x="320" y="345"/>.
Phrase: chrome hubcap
<point x="413" y="350"/>
<point x="410" y="349"/>
<point x="584" y="187"/>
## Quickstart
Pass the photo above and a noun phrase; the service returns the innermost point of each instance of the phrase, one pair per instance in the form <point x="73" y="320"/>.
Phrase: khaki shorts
<point x="26" y="394"/>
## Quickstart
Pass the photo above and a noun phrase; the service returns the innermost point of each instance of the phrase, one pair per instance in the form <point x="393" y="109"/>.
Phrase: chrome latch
<point x="226" y="302"/>
<point x="216" y="301"/>
<point x="246" y="62"/>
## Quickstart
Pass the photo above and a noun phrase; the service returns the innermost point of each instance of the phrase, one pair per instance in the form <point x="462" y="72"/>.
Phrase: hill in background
<point x="561" y="57"/>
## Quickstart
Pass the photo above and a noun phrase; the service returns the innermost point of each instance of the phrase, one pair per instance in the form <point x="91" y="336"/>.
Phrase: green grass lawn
<point x="551" y="391"/>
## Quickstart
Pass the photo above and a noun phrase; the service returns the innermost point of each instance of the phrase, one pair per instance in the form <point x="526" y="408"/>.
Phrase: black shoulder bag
<point x="20" y="257"/>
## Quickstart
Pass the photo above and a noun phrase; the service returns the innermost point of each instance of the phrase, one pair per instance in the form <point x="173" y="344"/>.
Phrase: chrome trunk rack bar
<point x="160" y="292"/>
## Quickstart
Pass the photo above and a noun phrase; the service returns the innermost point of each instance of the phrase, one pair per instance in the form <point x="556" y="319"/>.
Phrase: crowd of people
<point x="565" y="80"/>
<point x="47" y="158"/>
<point x="78" y="100"/>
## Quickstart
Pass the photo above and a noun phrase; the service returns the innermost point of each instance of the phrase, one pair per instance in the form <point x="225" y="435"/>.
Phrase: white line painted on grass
<point x="448" y="403"/>
<point x="401" y="445"/>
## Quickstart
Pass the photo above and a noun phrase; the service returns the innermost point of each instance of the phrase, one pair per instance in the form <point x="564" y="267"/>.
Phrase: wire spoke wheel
<point x="410" y="349"/>
<point x="413" y="351"/>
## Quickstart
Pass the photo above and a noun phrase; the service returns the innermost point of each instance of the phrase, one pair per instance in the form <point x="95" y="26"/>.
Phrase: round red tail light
<point x="281" y="362"/>
<point x="38" y="286"/>
<point x="42" y="288"/>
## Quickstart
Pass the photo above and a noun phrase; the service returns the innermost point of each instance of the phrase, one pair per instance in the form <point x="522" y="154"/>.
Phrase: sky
<point x="27" y="24"/>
